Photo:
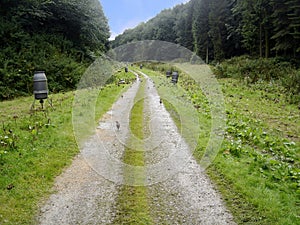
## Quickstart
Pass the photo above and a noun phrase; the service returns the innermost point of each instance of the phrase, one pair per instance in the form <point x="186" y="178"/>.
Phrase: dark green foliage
<point x="202" y="42"/>
<point x="218" y="18"/>
<point x="252" y="71"/>
<point x="218" y="29"/>
<point x="255" y="25"/>
<point x="59" y="37"/>
<point x="286" y="23"/>
<point x="161" y="28"/>
<point x="183" y="27"/>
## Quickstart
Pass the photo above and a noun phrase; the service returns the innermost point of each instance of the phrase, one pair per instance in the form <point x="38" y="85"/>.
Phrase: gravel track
<point x="179" y="191"/>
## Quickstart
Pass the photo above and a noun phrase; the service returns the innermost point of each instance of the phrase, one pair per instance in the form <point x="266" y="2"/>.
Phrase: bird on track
<point x="118" y="125"/>
<point x="160" y="101"/>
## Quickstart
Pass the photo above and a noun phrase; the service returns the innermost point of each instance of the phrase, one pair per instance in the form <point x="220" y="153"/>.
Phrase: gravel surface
<point x="179" y="191"/>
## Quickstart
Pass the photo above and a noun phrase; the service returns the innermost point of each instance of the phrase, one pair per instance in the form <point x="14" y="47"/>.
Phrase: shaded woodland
<point x="220" y="29"/>
<point x="61" y="37"/>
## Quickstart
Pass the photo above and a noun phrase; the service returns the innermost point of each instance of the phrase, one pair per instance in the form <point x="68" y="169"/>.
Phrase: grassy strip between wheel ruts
<point x="132" y="203"/>
<point x="35" y="147"/>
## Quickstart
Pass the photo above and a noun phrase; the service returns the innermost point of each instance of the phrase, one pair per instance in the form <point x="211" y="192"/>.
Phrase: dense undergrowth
<point x="273" y="70"/>
<point x="59" y="37"/>
<point x="61" y="63"/>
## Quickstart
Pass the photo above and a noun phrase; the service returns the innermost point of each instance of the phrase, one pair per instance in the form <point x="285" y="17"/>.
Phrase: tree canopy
<point x="59" y="36"/>
<point x="219" y="29"/>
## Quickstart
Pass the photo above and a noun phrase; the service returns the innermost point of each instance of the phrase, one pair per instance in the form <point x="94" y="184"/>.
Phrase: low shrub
<point x="253" y="70"/>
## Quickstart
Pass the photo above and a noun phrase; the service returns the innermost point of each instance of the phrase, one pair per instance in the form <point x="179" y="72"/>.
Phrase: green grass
<point x="132" y="203"/>
<point x="257" y="169"/>
<point x="173" y="112"/>
<point x="35" y="148"/>
<point x="88" y="106"/>
<point x="257" y="173"/>
<point x="265" y="102"/>
<point x="273" y="70"/>
<point x="259" y="160"/>
<point x="192" y="127"/>
<point x="135" y="156"/>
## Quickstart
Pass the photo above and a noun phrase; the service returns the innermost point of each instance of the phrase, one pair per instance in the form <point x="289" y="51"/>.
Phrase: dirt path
<point x="179" y="192"/>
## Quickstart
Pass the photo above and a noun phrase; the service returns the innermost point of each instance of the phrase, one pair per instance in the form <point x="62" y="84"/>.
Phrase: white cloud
<point x="184" y="1"/>
<point x="129" y="25"/>
<point x="134" y="22"/>
<point x="113" y="35"/>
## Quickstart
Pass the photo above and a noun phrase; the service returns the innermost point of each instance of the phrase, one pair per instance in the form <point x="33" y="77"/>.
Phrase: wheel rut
<point x="177" y="190"/>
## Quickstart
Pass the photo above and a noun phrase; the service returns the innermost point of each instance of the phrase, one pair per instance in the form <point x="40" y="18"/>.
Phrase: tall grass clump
<point x="257" y="70"/>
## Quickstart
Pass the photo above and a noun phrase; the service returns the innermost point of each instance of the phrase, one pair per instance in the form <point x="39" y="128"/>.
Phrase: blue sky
<point x="124" y="14"/>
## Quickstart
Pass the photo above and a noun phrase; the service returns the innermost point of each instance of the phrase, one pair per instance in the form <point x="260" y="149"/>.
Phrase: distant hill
<point x="219" y="29"/>
<point x="59" y="36"/>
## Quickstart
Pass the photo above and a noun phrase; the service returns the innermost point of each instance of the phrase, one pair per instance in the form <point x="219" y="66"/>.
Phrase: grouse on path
<point x="118" y="125"/>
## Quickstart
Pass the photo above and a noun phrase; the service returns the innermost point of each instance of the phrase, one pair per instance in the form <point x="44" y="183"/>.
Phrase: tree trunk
<point x="206" y="54"/>
<point x="260" y="40"/>
<point x="267" y="44"/>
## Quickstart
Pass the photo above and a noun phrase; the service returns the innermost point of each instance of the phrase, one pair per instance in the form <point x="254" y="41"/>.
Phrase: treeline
<point x="220" y="29"/>
<point x="59" y="36"/>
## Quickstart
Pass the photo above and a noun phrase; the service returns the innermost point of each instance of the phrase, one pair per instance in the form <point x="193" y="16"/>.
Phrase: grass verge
<point x="257" y="169"/>
<point x="34" y="149"/>
<point x="259" y="159"/>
